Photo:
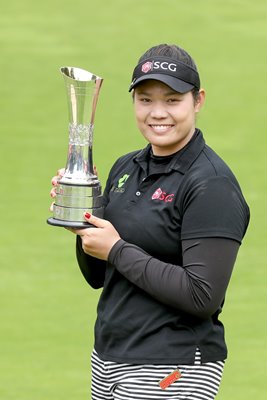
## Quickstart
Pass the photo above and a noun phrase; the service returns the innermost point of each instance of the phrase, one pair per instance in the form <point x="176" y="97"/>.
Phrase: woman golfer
<point x="174" y="219"/>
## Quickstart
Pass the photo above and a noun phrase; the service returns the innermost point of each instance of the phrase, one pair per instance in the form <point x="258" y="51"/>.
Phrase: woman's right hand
<point x="54" y="182"/>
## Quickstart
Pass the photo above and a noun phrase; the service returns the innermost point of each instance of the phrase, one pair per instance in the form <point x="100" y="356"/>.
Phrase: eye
<point x="173" y="100"/>
<point x="144" y="99"/>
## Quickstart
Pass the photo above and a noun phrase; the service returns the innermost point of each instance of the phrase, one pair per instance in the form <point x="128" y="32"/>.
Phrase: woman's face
<point x="165" y="118"/>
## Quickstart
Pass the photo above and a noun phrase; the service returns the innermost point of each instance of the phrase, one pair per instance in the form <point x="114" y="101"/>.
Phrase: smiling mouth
<point x="160" y="128"/>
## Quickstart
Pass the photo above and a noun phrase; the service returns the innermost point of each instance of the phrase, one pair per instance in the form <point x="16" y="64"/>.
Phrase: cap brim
<point x="174" y="83"/>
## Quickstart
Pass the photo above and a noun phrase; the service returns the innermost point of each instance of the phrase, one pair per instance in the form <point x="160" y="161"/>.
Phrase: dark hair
<point x="175" y="52"/>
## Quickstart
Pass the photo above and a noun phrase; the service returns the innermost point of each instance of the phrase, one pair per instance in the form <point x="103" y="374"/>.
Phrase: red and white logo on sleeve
<point x="159" y="194"/>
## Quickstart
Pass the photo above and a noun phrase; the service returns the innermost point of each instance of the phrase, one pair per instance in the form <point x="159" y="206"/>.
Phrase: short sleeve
<point x="215" y="208"/>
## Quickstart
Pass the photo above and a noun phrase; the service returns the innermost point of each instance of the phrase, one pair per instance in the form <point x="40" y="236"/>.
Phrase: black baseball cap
<point x="179" y="76"/>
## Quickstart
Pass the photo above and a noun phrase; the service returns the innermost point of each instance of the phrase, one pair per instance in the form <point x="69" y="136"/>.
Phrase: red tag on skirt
<point x="169" y="379"/>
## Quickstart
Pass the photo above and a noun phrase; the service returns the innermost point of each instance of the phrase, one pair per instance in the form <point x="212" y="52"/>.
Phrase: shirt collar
<point x="183" y="159"/>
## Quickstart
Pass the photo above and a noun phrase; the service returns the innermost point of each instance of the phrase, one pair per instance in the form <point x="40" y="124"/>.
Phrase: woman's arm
<point x="198" y="287"/>
<point x="92" y="268"/>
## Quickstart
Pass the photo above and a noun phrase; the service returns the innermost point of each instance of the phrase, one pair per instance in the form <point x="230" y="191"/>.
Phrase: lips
<point x="160" y="128"/>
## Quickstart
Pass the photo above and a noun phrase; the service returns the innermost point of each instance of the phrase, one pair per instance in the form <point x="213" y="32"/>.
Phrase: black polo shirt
<point x="193" y="195"/>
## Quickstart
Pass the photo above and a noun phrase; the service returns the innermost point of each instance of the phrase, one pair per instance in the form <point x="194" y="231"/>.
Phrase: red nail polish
<point x="87" y="215"/>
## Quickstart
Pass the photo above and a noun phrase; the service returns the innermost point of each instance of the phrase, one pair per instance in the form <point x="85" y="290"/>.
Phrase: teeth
<point x="160" y="128"/>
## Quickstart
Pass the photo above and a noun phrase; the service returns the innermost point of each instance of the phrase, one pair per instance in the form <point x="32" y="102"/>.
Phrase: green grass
<point x="47" y="310"/>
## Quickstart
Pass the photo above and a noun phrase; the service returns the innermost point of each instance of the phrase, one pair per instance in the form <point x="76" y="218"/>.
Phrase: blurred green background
<point x="47" y="311"/>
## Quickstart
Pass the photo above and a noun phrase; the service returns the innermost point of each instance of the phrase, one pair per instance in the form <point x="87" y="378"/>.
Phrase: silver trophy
<point x="79" y="189"/>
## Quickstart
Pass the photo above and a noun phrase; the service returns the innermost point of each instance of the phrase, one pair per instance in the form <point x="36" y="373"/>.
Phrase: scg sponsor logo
<point x="158" y="65"/>
<point x="163" y="196"/>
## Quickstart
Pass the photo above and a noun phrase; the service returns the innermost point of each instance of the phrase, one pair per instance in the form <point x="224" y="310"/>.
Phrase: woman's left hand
<point x="98" y="240"/>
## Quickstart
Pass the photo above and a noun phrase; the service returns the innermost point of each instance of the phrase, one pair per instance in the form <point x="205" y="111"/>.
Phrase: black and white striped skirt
<point x="116" y="381"/>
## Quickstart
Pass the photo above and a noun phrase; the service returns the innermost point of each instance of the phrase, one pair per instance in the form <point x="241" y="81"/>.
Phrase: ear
<point x="200" y="101"/>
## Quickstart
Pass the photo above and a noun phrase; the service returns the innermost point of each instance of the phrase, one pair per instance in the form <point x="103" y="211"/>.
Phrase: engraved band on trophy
<point x="79" y="189"/>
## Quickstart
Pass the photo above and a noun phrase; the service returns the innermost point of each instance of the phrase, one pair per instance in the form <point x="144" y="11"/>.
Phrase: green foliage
<point x="47" y="310"/>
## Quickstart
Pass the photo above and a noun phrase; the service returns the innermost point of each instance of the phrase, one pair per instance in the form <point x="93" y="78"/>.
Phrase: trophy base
<point x="69" y="224"/>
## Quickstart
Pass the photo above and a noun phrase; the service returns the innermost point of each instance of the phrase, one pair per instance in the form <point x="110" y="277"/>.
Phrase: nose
<point x="158" y="111"/>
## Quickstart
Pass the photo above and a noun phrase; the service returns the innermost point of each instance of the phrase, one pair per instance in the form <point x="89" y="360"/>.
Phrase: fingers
<point x="54" y="182"/>
<point x="76" y="231"/>
<point x="98" y="240"/>
<point x="53" y="192"/>
<point x="80" y="232"/>
<point x="61" y="172"/>
<point x="51" y="208"/>
<point x="59" y="175"/>
<point x="97" y="222"/>
<point x="53" y="195"/>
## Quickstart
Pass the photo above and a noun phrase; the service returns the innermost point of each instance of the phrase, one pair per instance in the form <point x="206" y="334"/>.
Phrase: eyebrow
<point x="170" y="93"/>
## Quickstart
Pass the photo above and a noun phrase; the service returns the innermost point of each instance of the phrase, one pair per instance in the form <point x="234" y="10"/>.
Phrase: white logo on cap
<point x="164" y="65"/>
